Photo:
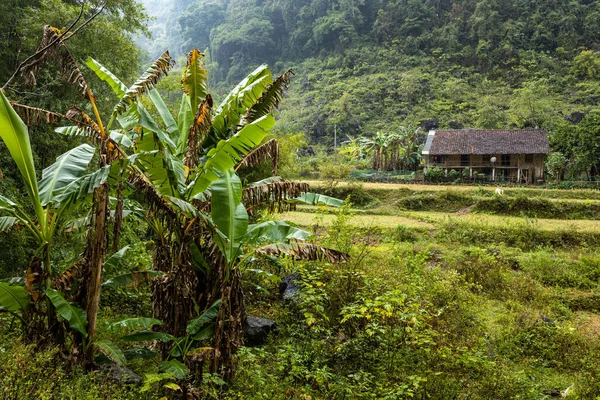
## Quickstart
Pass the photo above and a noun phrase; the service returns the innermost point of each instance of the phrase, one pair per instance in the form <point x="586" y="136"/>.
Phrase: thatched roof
<point x="480" y="141"/>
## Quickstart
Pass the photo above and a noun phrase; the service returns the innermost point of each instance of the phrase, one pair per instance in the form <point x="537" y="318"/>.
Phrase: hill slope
<point x="363" y="66"/>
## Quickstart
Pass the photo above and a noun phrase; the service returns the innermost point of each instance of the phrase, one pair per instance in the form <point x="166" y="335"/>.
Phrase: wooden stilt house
<point x="495" y="155"/>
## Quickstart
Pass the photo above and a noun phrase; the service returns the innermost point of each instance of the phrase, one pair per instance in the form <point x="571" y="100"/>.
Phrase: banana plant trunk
<point x="174" y="294"/>
<point x="53" y="324"/>
<point x="229" y="332"/>
<point x="97" y="248"/>
<point x="118" y="220"/>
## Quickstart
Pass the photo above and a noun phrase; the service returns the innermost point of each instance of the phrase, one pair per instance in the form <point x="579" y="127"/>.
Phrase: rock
<point x="455" y="125"/>
<point x="120" y="374"/>
<point x="288" y="288"/>
<point x="305" y="85"/>
<point x="429" y="124"/>
<point x="575" y="117"/>
<point x="552" y="393"/>
<point x="256" y="330"/>
<point x="306" y="151"/>
<point x="547" y="321"/>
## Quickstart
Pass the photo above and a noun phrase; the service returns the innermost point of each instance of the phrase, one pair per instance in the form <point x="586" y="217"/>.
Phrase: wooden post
<point x="494" y="174"/>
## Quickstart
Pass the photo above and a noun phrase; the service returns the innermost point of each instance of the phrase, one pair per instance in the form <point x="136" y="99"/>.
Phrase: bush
<point x="536" y="207"/>
<point x="579" y="301"/>
<point x="434" y="175"/>
<point x="542" y="343"/>
<point x="334" y="171"/>
<point x="30" y="373"/>
<point x="560" y="271"/>
<point x="403" y="233"/>
<point x="354" y="192"/>
<point x="454" y="175"/>
<point x="524" y="235"/>
<point x="441" y="200"/>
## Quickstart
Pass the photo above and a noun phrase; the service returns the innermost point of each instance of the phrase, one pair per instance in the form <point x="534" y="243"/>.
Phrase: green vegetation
<point x="513" y="299"/>
<point x="368" y="66"/>
<point x="150" y="248"/>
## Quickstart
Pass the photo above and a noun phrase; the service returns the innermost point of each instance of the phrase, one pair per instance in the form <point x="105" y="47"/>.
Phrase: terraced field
<point x="532" y="284"/>
<point x="305" y="216"/>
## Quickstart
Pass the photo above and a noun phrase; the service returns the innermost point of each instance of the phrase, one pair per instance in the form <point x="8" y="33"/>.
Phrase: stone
<point x="552" y="393"/>
<point x="256" y="330"/>
<point x="120" y="374"/>
<point x="429" y="124"/>
<point x="547" y="321"/>
<point x="575" y="117"/>
<point x="288" y="288"/>
<point x="306" y="151"/>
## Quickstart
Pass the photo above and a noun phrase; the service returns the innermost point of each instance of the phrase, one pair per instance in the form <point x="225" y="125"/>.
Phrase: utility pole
<point x="335" y="136"/>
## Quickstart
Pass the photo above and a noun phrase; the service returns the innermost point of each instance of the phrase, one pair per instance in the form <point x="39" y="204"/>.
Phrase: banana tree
<point x="179" y="167"/>
<point x="110" y="145"/>
<point x="410" y="150"/>
<point x="62" y="185"/>
<point x="237" y="241"/>
<point x="377" y="147"/>
<point x="353" y="149"/>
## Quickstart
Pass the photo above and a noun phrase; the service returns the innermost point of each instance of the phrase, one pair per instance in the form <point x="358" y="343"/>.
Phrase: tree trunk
<point x="53" y="325"/>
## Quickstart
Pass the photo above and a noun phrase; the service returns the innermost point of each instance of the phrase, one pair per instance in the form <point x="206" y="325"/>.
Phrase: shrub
<point x="525" y="205"/>
<point x="30" y="373"/>
<point x="479" y="267"/>
<point x="434" y="175"/>
<point x="545" y="344"/>
<point x="454" y="175"/>
<point x="525" y="235"/>
<point x="403" y="233"/>
<point x="354" y="192"/>
<point x="556" y="270"/>
<point x="334" y="171"/>
<point x="442" y="200"/>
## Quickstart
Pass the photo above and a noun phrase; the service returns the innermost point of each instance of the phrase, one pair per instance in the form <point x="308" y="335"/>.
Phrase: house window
<point x="506" y="160"/>
<point x="529" y="158"/>
<point x="464" y="160"/>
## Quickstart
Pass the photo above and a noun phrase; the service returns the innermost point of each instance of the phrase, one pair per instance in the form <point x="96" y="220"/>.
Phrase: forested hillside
<point x="363" y="66"/>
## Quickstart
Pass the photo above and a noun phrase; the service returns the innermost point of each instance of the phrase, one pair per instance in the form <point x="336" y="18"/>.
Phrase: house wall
<point x="531" y="172"/>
